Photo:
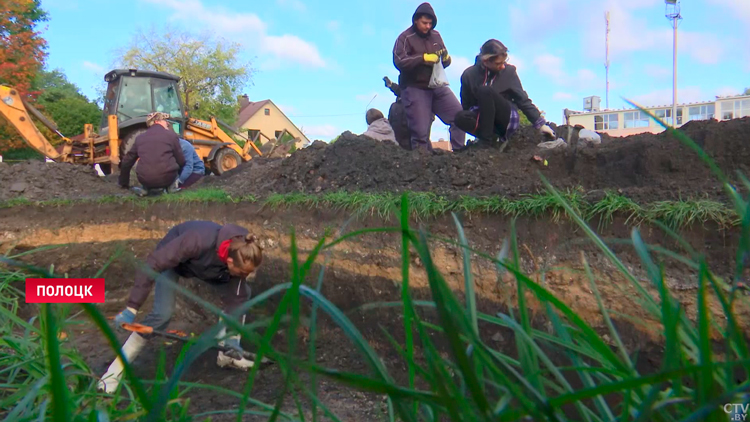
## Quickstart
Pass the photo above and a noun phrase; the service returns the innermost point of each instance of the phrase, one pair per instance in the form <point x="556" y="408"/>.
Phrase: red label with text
<point x="64" y="290"/>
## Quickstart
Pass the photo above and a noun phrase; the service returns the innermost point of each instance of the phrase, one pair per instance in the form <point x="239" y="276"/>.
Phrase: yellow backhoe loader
<point x="131" y="95"/>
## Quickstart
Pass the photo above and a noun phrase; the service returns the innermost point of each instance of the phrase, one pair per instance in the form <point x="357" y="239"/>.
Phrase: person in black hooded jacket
<point x="417" y="50"/>
<point x="491" y="97"/>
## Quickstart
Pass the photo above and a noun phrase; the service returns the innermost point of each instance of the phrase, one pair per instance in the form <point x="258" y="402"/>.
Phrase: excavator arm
<point x="16" y="112"/>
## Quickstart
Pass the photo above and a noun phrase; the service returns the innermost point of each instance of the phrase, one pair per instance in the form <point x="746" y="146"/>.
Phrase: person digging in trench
<point x="159" y="156"/>
<point x="219" y="255"/>
<point x="416" y="52"/>
<point x="491" y="97"/>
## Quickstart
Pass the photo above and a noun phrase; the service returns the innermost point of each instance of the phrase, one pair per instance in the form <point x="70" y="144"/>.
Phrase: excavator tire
<point x="125" y="144"/>
<point x="225" y="160"/>
<point x="128" y="141"/>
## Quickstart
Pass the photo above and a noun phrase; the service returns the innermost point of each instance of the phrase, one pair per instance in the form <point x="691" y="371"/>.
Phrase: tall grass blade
<point x="59" y="389"/>
<point x="447" y="312"/>
<point x="705" y="384"/>
<point x="405" y="296"/>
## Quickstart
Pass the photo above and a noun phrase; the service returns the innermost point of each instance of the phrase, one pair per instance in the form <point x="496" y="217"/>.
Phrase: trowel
<point x="175" y="335"/>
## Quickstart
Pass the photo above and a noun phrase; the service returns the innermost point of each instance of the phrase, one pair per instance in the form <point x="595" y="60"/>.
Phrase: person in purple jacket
<point x="416" y="51"/>
<point x="491" y="97"/>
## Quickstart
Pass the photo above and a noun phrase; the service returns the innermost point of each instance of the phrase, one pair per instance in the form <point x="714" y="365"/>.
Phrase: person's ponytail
<point x="246" y="250"/>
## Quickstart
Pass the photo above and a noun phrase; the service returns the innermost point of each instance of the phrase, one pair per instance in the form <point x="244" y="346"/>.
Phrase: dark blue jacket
<point x="193" y="163"/>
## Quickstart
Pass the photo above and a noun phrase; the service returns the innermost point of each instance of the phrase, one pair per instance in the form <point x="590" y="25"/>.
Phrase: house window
<point x="278" y="133"/>
<point x="735" y="109"/>
<point x="606" y="122"/>
<point x="267" y="111"/>
<point x="704" y="112"/>
<point x="253" y="134"/>
<point x="636" y="119"/>
<point x="665" y="115"/>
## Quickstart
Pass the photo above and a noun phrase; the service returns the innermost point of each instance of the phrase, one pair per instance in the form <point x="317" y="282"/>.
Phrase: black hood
<point x="425" y="9"/>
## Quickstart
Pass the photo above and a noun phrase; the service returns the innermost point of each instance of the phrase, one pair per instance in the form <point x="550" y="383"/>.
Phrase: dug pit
<point x="363" y="270"/>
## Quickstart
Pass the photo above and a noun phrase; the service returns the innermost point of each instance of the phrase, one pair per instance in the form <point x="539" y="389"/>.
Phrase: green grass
<point x="424" y="205"/>
<point x="464" y="379"/>
<point x="205" y="195"/>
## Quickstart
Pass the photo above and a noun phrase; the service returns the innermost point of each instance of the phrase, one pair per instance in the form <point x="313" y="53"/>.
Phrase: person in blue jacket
<point x="194" y="168"/>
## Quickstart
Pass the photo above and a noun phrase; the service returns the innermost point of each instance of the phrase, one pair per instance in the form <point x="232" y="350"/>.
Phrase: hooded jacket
<point x="381" y="130"/>
<point x="191" y="249"/>
<point x="159" y="157"/>
<point x="506" y="83"/>
<point x="410" y="48"/>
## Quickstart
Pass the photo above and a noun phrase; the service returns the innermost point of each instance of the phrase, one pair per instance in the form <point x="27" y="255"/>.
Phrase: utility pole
<point x="606" y="62"/>
<point x="673" y="14"/>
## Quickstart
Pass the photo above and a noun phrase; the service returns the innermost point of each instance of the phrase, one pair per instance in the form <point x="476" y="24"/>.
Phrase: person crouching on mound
<point x="378" y="127"/>
<point x="492" y="96"/>
<point x="221" y="255"/>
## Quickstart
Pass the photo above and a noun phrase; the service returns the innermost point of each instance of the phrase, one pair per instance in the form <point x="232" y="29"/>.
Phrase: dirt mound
<point x="38" y="180"/>
<point x="646" y="167"/>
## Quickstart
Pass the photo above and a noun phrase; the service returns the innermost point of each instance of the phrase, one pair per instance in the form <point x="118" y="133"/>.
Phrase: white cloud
<point x="630" y="32"/>
<point x="553" y="67"/>
<point x="457" y="67"/>
<point x="96" y="68"/>
<point x="247" y="28"/>
<point x="704" y="48"/>
<point x="664" y="97"/>
<point x="321" y="131"/>
<point x="562" y="96"/>
<point x="292" y="4"/>
<point x="739" y="8"/>
<point x="293" y="48"/>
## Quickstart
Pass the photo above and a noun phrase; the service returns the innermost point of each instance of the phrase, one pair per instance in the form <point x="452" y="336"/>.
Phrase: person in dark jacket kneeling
<point x="220" y="255"/>
<point x="491" y="97"/>
<point x="158" y="153"/>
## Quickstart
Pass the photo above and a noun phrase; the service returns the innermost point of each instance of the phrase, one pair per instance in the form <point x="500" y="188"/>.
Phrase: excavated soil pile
<point x="645" y="167"/>
<point x="39" y="181"/>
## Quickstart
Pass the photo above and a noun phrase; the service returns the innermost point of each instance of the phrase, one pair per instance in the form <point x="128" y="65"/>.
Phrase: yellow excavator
<point x="131" y="95"/>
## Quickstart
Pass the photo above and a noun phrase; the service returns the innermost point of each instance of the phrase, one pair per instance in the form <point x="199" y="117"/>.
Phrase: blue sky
<point x="322" y="62"/>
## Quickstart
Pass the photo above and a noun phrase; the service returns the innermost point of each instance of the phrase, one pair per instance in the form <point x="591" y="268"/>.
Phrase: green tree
<point x="747" y="91"/>
<point x="64" y="104"/>
<point x="212" y="75"/>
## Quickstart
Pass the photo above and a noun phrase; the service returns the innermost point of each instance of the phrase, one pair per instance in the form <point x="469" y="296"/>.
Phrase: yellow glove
<point x="443" y="55"/>
<point x="431" y="58"/>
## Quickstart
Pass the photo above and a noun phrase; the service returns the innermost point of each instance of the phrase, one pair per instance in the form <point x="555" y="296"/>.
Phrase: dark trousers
<point x="237" y="291"/>
<point x="492" y="118"/>
<point x="420" y="104"/>
<point x="194" y="177"/>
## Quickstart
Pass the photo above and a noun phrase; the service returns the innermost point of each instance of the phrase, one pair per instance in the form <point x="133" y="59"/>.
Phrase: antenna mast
<point x="606" y="63"/>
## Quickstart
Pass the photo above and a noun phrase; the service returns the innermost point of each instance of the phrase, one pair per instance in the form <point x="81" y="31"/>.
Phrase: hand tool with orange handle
<point x="179" y="336"/>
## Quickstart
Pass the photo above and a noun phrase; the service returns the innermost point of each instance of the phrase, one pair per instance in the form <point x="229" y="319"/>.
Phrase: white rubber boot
<point x="111" y="379"/>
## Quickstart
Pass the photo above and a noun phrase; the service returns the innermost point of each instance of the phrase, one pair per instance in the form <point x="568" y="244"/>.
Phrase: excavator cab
<point x="133" y="94"/>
